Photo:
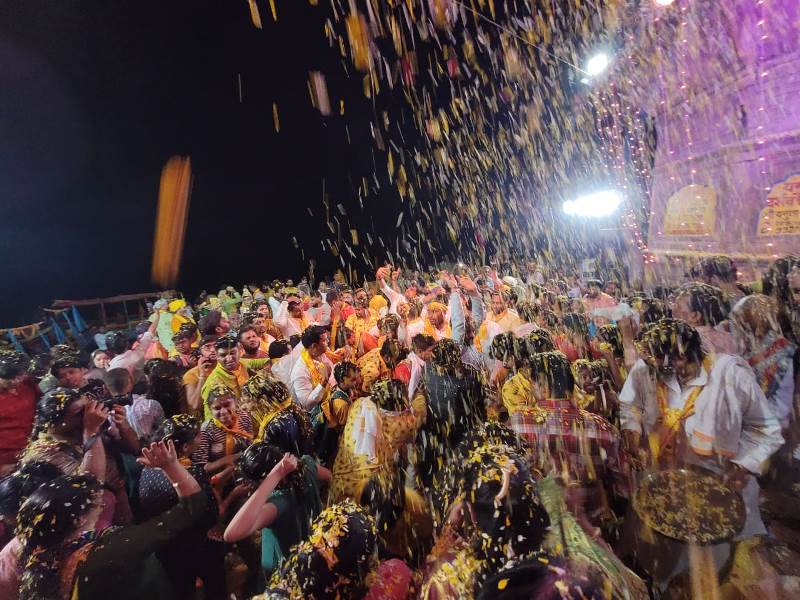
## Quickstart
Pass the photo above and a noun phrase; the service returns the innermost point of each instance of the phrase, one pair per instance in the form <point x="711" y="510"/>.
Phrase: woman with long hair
<point x="333" y="561"/>
<point x="495" y="514"/>
<point x="62" y="557"/>
<point x="157" y="495"/>
<point x="285" y="501"/>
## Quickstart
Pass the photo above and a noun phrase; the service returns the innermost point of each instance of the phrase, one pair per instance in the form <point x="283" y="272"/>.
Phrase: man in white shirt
<point x="311" y="372"/>
<point x="127" y="358"/>
<point x="422" y="348"/>
<point x="291" y="318"/>
<point x="683" y="407"/>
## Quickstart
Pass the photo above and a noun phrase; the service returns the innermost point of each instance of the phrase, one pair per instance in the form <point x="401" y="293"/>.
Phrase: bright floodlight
<point x="664" y="2"/>
<point x="597" y="64"/>
<point x="595" y="205"/>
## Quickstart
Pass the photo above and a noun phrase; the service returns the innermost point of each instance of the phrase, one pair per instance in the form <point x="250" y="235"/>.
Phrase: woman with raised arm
<point x="62" y="558"/>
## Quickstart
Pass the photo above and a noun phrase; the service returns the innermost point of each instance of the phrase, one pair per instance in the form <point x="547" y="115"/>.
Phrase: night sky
<point x="96" y="96"/>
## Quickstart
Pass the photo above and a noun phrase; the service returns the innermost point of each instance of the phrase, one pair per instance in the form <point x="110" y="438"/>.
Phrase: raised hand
<point x="159" y="455"/>
<point x="288" y="464"/>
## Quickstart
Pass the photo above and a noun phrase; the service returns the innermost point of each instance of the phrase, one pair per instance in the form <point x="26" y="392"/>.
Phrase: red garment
<point x="566" y="347"/>
<point x="403" y="373"/>
<point x="16" y="419"/>
<point x="565" y="437"/>
<point x="392" y="581"/>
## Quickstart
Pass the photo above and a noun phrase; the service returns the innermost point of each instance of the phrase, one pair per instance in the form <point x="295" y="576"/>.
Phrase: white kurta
<point x="732" y="418"/>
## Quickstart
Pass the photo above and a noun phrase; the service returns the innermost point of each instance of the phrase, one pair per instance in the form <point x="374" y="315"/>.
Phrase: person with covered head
<point x="231" y="371"/>
<point x="705" y="308"/>
<point x="66" y="433"/>
<point x="580" y="447"/>
<point x="362" y="322"/>
<point x="455" y="406"/>
<point x="437" y="321"/>
<point x="572" y="338"/>
<point x="63" y="556"/>
<point x="263" y="397"/>
<point x="285" y="500"/>
<point x="69" y="369"/>
<point x="72" y="431"/>
<point x="157" y="495"/>
<point x="572" y="563"/>
<point x="594" y="390"/>
<point x="18" y="397"/>
<point x="495" y="514"/>
<point x="333" y="561"/>
<point x="772" y="356"/>
<point x="377" y="429"/>
<point x="14" y="490"/>
<point x="782" y="282"/>
<point x="681" y="406"/>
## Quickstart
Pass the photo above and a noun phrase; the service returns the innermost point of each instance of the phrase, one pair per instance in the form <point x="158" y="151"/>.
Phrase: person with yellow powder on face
<point x="231" y="371"/>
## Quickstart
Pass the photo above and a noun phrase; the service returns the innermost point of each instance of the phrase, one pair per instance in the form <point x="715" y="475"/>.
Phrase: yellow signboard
<point x="781" y="215"/>
<point x="692" y="210"/>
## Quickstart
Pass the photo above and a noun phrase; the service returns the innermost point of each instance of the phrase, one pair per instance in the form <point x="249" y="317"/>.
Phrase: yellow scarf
<point x="318" y="376"/>
<point x="672" y="418"/>
<point x="231" y="433"/>
<point x="437" y="334"/>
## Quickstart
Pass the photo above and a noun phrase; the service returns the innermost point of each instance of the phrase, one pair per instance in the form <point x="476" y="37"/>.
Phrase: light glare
<point x="595" y="205"/>
<point x="597" y="64"/>
<point x="664" y="2"/>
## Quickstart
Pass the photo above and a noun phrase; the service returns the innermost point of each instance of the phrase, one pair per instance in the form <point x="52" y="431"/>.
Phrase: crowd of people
<point x="453" y="435"/>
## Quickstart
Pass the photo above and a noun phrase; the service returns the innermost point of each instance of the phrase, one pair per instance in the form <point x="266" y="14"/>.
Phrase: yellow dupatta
<point x="231" y="433"/>
<point x="672" y="419"/>
<point x="437" y="334"/>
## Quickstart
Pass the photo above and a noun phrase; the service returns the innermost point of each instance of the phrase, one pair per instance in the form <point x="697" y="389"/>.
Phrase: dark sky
<point x="95" y="96"/>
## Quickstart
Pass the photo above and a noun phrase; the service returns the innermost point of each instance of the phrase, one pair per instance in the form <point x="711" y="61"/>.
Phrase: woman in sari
<point x="378" y="426"/>
<point x="755" y="321"/>
<point x="283" y="504"/>
<point x="333" y="561"/>
<point x="62" y="558"/>
<point x="495" y="514"/>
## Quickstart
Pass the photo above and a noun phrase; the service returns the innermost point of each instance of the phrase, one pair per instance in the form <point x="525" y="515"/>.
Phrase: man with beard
<point x="361" y="322"/>
<point x="291" y="318"/>
<point x="501" y="319"/>
<point x="250" y="342"/>
<point x="231" y="371"/>
<point x="596" y="298"/>
<point x="455" y="407"/>
<point x="682" y="407"/>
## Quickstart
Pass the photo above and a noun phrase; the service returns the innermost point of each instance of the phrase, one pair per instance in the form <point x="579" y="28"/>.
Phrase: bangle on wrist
<point x="90" y="441"/>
